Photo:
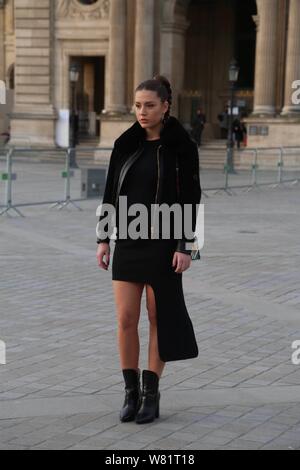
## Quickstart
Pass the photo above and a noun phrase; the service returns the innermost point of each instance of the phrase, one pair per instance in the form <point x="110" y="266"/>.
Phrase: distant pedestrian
<point x="6" y="136"/>
<point x="238" y="129"/>
<point x="223" y="119"/>
<point x="198" y="126"/>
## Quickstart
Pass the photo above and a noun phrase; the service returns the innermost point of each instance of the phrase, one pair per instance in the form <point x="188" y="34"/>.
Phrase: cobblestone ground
<point x="62" y="388"/>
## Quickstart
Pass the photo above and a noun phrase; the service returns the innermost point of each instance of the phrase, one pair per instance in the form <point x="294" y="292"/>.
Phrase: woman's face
<point x="149" y="108"/>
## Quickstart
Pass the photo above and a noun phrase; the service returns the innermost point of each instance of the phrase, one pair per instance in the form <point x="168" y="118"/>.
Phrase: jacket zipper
<point x="157" y="190"/>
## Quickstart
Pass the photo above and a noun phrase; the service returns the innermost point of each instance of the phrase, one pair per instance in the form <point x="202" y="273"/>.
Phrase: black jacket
<point x="176" y="145"/>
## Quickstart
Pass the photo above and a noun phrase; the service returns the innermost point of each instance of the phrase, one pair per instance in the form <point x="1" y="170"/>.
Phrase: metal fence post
<point x="67" y="174"/>
<point x="280" y="166"/>
<point x="279" y="172"/>
<point x="228" y="169"/>
<point x="254" y="171"/>
<point x="255" y="167"/>
<point x="8" y="177"/>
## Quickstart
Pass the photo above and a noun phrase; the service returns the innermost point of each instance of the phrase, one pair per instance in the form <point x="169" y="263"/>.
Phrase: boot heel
<point x="150" y="398"/>
<point x="157" y="409"/>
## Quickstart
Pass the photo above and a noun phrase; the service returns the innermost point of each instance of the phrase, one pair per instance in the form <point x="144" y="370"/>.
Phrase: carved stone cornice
<point x="73" y="9"/>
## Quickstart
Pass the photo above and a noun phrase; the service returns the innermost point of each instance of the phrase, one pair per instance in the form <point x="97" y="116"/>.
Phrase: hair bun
<point x="164" y="81"/>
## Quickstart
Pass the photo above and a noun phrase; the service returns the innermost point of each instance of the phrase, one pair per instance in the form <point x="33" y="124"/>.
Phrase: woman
<point x="198" y="127"/>
<point x="143" y="168"/>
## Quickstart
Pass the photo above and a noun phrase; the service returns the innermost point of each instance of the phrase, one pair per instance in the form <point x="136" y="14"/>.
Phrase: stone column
<point x="173" y="50"/>
<point x="144" y="41"/>
<point x="266" y="57"/>
<point x="2" y="67"/>
<point x="33" y="117"/>
<point x="293" y="58"/>
<point x="116" y="76"/>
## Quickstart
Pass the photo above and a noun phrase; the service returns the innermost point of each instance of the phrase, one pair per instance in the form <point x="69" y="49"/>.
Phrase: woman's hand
<point x="103" y="251"/>
<point x="181" y="261"/>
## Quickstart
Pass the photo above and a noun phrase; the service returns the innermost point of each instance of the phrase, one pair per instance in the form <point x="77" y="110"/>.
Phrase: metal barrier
<point x="280" y="166"/>
<point x="9" y="177"/>
<point x="279" y="156"/>
<point x="282" y="154"/>
<point x="67" y="174"/>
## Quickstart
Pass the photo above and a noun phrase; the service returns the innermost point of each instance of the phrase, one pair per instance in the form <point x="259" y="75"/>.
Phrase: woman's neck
<point x="154" y="133"/>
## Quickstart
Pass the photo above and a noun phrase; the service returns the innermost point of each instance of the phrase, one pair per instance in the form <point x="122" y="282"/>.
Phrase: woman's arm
<point x="108" y="195"/>
<point x="189" y="190"/>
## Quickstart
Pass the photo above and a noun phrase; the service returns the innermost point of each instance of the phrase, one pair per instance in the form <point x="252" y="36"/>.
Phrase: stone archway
<point x="208" y="79"/>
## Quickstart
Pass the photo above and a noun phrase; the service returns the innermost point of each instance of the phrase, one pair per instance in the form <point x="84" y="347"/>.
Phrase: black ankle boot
<point x="133" y="395"/>
<point x="150" y="399"/>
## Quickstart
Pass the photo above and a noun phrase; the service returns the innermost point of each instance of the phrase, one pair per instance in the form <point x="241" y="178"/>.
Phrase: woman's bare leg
<point x="128" y="304"/>
<point x="154" y="362"/>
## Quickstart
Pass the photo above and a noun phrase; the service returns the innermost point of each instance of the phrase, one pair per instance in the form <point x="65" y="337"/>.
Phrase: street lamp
<point x="74" y="76"/>
<point x="233" y="78"/>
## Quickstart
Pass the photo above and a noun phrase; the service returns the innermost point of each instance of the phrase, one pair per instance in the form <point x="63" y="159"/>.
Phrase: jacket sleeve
<point x="108" y="196"/>
<point x="189" y="189"/>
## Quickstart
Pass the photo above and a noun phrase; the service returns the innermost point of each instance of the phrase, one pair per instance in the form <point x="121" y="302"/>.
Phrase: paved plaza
<point x="62" y="387"/>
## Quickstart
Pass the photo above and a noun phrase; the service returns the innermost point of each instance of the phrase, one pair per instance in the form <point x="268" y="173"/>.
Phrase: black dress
<point x="149" y="261"/>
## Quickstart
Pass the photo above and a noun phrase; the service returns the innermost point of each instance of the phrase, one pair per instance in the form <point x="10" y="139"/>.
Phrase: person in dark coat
<point x="238" y="130"/>
<point x="223" y="119"/>
<point x="6" y="136"/>
<point x="143" y="167"/>
<point x="198" y="126"/>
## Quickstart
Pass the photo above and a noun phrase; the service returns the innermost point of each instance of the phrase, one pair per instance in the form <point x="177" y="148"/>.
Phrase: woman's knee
<point x="128" y="302"/>
<point x="128" y="320"/>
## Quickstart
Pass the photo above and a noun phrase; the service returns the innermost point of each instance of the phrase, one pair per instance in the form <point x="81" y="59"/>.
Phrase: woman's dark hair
<point x="162" y="87"/>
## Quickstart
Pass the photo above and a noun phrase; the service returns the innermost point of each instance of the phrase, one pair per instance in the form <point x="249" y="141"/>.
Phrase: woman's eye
<point x="149" y="106"/>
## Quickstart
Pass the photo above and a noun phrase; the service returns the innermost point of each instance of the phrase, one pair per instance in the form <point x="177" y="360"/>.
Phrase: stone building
<point x="119" y="43"/>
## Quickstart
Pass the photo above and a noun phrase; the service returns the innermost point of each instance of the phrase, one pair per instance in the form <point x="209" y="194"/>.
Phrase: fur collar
<point x="173" y="134"/>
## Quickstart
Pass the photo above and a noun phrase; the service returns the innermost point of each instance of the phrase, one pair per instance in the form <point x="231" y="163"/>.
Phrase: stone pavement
<point x="62" y="387"/>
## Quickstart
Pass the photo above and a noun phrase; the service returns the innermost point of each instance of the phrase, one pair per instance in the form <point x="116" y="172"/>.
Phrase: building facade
<point x="119" y="43"/>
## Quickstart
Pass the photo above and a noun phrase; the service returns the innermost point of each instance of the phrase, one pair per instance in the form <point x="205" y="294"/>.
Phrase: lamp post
<point x="233" y="78"/>
<point x="74" y="76"/>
